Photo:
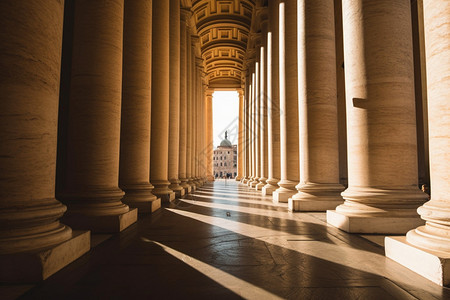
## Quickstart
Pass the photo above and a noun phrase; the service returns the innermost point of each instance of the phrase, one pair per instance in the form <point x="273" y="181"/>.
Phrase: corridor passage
<point x="226" y="241"/>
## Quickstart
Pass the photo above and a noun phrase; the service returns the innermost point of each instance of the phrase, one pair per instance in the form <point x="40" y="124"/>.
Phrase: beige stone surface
<point x="159" y="154"/>
<point x="289" y="154"/>
<point x="182" y="167"/>
<point x="174" y="98"/>
<point x="273" y="104"/>
<point x="40" y="264"/>
<point x="318" y="130"/>
<point x="433" y="265"/>
<point x="381" y="133"/>
<point x="92" y="172"/>
<point x="426" y="249"/>
<point x="30" y="60"/>
<point x="33" y="242"/>
<point x="134" y="166"/>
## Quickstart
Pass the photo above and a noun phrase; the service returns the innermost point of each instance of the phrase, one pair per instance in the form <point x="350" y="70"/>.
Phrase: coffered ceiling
<point x="223" y="27"/>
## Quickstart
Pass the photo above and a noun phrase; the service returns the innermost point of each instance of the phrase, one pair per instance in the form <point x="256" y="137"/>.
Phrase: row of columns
<point x="294" y="76"/>
<point x="134" y="124"/>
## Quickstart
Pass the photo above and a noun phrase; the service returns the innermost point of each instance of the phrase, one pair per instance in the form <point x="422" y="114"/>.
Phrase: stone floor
<point x="225" y="241"/>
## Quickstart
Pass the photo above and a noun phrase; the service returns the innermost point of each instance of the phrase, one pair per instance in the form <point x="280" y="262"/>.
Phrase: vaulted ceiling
<point x="223" y="27"/>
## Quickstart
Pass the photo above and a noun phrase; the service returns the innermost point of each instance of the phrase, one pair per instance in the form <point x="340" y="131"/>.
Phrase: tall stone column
<point x="256" y="128"/>
<point x="250" y="131"/>
<point x="252" y="134"/>
<point x="263" y="103"/>
<point x="382" y="196"/>
<point x="159" y="154"/>
<point x="30" y="60"/>
<point x="174" y="98"/>
<point x="289" y="153"/>
<point x="91" y="189"/>
<point x="240" y="151"/>
<point x="209" y="135"/>
<point x="273" y="104"/>
<point x="245" y="143"/>
<point x="319" y="187"/>
<point x="134" y="166"/>
<point x="426" y="249"/>
<point x="189" y="135"/>
<point x="182" y="170"/>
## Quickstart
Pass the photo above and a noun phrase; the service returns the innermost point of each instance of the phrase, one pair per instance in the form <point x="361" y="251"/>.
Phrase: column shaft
<point x="289" y="153"/>
<point x="426" y="249"/>
<point x="273" y="104"/>
<point x="240" y="151"/>
<point x="159" y="155"/>
<point x="30" y="60"/>
<point x="382" y="152"/>
<point x="134" y="166"/>
<point x="182" y="170"/>
<point x="91" y="189"/>
<point x="209" y="135"/>
<point x="319" y="187"/>
<point x="174" y="98"/>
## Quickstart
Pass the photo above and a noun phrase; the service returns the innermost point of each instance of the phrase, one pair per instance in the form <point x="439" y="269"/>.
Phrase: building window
<point x="228" y="152"/>
<point x="225" y="164"/>
<point x="220" y="164"/>
<point x="224" y="158"/>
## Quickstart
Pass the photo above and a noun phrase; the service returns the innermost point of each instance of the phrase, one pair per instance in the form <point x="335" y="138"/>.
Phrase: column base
<point x="166" y="196"/>
<point x="186" y="187"/>
<point x="101" y="224"/>
<point x="282" y="195"/>
<point x="178" y="190"/>
<point x="141" y="197"/>
<point x="373" y="224"/>
<point x="210" y="178"/>
<point x="261" y="184"/>
<point x="316" y="197"/>
<point x="238" y="178"/>
<point x="268" y="189"/>
<point x="147" y="206"/>
<point x="433" y="265"/>
<point x="311" y="205"/>
<point x="39" y="265"/>
<point x="254" y="182"/>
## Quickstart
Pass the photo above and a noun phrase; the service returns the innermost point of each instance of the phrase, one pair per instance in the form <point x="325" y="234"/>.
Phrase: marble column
<point x="256" y="127"/>
<point x="252" y="135"/>
<point x="33" y="242"/>
<point x="189" y="133"/>
<point x="289" y="146"/>
<point x="182" y="169"/>
<point x="319" y="187"/>
<point x="426" y="249"/>
<point x="209" y="134"/>
<point x="382" y="196"/>
<point x="174" y="98"/>
<point x="245" y="142"/>
<point x="240" y="150"/>
<point x="134" y="166"/>
<point x="273" y="104"/>
<point x="91" y="189"/>
<point x="263" y="103"/>
<point x="159" y="154"/>
<point x="250" y="131"/>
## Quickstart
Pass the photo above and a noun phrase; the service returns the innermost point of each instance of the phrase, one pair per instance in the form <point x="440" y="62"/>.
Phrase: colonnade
<point x="104" y="115"/>
<point x="295" y="76"/>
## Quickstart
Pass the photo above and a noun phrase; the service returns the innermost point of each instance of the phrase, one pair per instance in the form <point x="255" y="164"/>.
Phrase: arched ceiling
<point x="223" y="27"/>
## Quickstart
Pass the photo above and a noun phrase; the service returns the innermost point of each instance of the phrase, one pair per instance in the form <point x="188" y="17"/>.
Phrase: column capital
<point x="209" y="92"/>
<point x="185" y="14"/>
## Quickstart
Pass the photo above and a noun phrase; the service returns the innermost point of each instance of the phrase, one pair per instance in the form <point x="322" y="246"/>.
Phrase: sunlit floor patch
<point x="236" y="285"/>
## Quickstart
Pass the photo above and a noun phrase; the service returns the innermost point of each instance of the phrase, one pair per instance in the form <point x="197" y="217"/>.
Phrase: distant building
<point x="225" y="159"/>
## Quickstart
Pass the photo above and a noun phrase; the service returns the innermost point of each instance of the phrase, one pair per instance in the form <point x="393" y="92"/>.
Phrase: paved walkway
<point x="225" y="241"/>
